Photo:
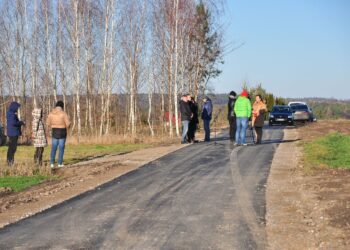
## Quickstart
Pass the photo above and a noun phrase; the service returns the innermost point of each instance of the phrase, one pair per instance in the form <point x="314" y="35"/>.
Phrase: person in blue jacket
<point x="206" y="116"/>
<point x="13" y="131"/>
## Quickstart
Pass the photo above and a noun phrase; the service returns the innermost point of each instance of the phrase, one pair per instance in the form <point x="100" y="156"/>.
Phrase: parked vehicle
<point x="281" y="114"/>
<point x="296" y="103"/>
<point x="302" y="113"/>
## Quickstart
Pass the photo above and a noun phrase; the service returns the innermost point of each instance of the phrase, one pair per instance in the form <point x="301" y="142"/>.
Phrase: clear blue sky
<point x="295" y="48"/>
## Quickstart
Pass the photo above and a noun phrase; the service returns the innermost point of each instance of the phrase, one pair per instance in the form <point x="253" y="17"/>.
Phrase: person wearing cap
<point x="38" y="135"/>
<point x="243" y="111"/>
<point x="14" y="126"/>
<point x="59" y="122"/>
<point x="186" y="115"/>
<point x="206" y="116"/>
<point x="231" y="116"/>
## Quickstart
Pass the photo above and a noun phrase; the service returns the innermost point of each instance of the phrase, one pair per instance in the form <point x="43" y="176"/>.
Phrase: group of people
<point x="189" y="118"/>
<point x="240" y="111"/>
<point x="57" y="120"/>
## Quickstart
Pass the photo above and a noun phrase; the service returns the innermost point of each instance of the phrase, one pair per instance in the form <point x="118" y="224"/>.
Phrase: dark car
<point x="281" y="114"/>
<point x="302" y="113"/>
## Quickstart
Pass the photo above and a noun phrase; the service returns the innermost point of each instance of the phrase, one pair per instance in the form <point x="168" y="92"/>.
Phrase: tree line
<point x="98" y="56"/>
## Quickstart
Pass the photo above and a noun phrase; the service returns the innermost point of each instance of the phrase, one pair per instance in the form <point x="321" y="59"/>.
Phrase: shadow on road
<point x="278" y="141"/>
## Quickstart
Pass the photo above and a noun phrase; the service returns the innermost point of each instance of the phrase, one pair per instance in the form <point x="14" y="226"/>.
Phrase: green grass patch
<point x="19" y="183"/>
<point x="332" y="150"/>
<point x="72" y="153"/>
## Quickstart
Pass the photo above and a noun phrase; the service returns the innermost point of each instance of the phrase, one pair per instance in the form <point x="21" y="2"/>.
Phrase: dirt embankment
<point x="307" y="210"/>
<point x="74" y="180"/>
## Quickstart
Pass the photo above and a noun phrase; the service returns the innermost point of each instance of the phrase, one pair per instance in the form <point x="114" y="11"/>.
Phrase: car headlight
<point x="271" y="116"/>
<point x="290" y="116"/>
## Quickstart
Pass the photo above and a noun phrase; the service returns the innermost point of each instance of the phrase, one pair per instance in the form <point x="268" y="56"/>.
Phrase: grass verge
<point x="330" y="151"/>
<point x="19" y="183"/>
<point x="72" y="153"/>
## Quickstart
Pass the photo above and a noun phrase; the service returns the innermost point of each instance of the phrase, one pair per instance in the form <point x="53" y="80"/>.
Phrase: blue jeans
<point x="206" y="124"/>
<point x="60" y="143"/>
<point x="184" y="130"/>
<point x="242" y="124"/>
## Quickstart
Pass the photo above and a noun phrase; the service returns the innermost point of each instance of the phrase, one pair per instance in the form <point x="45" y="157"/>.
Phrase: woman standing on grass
<point x="259" y="109"/>
<point x="59" y="122"/>
<point x="38" y="136"/>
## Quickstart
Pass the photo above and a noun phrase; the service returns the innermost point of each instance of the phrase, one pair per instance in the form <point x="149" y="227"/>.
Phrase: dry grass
<point x="25" y="169"/>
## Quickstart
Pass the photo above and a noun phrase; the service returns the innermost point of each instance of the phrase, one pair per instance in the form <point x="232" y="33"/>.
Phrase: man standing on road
<point x="243" y="110"/>
<point x="194" y="121"/>
<point x="206" y="116"/>
<point x="231" y="116"/>
<point x="186" y="116"/>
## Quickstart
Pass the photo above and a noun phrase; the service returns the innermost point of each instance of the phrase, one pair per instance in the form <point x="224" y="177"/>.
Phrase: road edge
<point x="81" y="191"/>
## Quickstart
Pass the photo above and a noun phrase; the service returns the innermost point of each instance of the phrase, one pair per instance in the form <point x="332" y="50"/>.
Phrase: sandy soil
<point x="74" y="180"/>
<point x="307" y="211"/>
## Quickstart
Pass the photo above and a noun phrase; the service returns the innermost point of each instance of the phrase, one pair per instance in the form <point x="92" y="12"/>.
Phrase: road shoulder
<point x="74" y="180"/>
<point x="302" y="208"/>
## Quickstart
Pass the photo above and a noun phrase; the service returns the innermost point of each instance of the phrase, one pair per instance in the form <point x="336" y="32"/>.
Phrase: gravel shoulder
<point x="306" y="210"/>
<point x="74" y="180"/>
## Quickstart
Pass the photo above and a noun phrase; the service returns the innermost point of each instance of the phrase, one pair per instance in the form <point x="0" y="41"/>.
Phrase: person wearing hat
<point x="243" y="111"/>
<point x="186" y="116"/>
<point x="231" y="116"/>
<point x="14" y="126"/>
<point x="206" y="116"/>
<point x="59" y="122"/>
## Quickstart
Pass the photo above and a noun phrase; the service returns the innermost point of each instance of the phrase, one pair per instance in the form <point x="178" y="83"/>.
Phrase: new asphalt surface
<point x="204" y="196"/>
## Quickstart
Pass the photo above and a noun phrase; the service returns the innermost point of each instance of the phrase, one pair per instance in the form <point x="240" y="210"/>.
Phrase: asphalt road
<point x="204" y="196"/>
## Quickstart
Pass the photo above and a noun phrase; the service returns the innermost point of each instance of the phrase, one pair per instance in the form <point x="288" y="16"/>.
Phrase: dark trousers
<point x="259" y="133"/>
<point x="38" y="156"/>
<point x="206" y="124"/>
<point x="13" y="140"/>
<point x="192" y="127"/>
<point x="233" y="126"/>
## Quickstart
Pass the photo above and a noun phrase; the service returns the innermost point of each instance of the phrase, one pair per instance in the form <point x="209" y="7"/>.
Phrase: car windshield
<point x="281" y="110"/>
<point x="299" y="107"/>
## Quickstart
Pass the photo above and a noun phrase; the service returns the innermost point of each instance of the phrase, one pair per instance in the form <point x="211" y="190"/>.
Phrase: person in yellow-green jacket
<point x="243" y="111"/>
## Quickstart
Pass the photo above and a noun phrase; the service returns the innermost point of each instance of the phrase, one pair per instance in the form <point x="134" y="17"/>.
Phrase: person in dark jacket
<point x="13" y="131"/>
<point x="194" y="121"/>
<point x="186" y="116"/>
<point x="231" y="116"/>
<point x="206" y="116"/>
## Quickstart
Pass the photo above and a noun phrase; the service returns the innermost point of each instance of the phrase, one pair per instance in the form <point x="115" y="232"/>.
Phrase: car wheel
<point x="270" y="124"/>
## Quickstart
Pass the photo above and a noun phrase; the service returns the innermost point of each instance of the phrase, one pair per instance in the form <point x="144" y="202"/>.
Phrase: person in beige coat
<point x="59" y="123"/>
<point x="258" y="119"/>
